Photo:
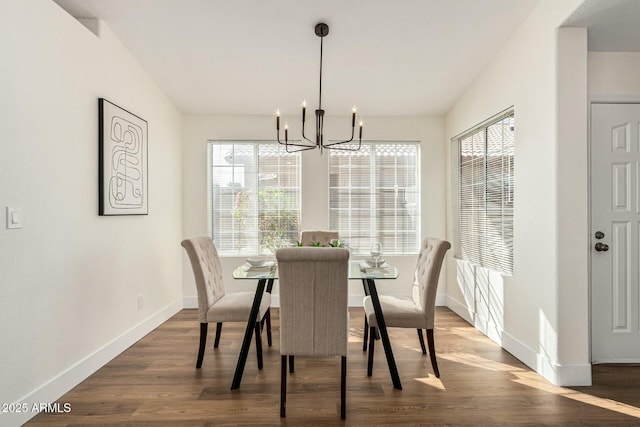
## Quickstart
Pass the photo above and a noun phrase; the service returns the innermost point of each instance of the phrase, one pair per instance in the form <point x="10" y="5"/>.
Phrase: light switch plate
<point x="14" y="217"/>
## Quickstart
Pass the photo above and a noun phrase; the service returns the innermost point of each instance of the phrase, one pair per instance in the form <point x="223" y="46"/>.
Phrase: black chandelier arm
<point x="353" y="129"/>
<point x="293" y="144"/>
<point x="287" y="144"/>
<point x="341" y="142"/>
<point x="333" y="146"/>
<point x="296" y="150"/>
<point x="304" y="135"/>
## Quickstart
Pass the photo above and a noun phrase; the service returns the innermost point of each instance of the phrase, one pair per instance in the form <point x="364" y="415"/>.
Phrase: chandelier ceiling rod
<point x="321" y="31"/>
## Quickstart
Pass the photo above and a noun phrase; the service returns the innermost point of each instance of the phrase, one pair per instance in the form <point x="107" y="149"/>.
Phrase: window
<point x="374" y="194"/>
<point x="485" y="167"/>
<point x="254" y="196"/>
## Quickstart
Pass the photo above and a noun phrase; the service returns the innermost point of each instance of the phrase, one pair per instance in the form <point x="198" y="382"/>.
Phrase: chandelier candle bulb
<point x="353" y="117"/>
<point x="360" y="129"/>
<point x="304" y="110"/>
<point x="278" y="119"/>
<point x="286" y="132"/>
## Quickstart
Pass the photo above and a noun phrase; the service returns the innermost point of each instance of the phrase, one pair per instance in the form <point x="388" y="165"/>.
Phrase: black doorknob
<point x="601" y="247"/>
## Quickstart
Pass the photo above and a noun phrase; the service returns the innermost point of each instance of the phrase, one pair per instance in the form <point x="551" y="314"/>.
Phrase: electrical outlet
<point x="140" y="302"/>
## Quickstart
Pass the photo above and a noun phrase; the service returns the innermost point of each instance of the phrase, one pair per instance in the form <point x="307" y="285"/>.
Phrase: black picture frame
<point x="123" y="161"/>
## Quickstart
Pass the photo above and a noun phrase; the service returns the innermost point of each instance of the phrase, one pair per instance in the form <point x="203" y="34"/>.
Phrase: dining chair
<point x="313" y="309"/>
<point x="419" y="310"/>
<point x="216" y="306"/>
<point x="316" y="236"/>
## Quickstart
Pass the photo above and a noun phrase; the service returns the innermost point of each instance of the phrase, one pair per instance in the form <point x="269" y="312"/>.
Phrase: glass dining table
<point x="358" y="270"/>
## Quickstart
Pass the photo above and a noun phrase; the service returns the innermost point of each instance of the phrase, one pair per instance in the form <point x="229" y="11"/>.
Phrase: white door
<point x="615" y="215"/>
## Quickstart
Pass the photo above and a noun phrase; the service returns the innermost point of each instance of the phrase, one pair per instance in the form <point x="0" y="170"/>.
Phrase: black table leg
<point x="382" y="327"/>
<point x="365" y="285"/>
<point x="246" y="342"/>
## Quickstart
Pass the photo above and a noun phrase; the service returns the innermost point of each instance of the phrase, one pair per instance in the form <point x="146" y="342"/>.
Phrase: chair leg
<point x="343" y="388"/>
<point x="218" y="333"/>
<point x="291" y="368"/>
<point x="268" y="320"/>
<point x="283" y="385"/>
<point x="366" y="334"/>
<point x="432" y="352"/>
<point x="372" y="343"/>
<point x="421" y="338"/>
<point x="258" y="345"/>
<point x="203" y="343"/>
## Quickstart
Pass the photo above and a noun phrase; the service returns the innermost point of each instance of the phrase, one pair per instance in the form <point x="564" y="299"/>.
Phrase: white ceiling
<point x="613" y="25"/>
<point x="388" y="57"/>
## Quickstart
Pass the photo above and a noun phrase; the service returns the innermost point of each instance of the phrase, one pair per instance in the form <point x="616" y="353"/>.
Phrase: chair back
<point x="427" y="274"/>
<point x="322" y="237"/>
<point x="207" y="272"/>
<point x="314" y="287"/>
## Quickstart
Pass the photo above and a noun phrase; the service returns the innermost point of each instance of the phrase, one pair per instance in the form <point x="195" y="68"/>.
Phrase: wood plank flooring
<point x="155" y="383"/>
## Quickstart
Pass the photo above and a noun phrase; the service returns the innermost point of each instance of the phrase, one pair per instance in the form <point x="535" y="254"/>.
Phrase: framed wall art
<point x="123" y="179"/>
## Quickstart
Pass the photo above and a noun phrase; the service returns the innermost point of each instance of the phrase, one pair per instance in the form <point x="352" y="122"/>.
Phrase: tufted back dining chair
<point x="419" y="310"/>
<point x="322" y="237"/>
<point x="214" y="304"/>
<point x="314" y="285"/>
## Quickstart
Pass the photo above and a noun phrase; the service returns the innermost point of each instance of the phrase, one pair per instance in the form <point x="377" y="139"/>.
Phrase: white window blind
<point x="374" y="194"/>
<point x="254" y="196"/>
<point x="486" y="193"/>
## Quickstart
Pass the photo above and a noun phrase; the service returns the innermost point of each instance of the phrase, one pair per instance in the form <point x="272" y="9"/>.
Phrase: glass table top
<point x="357" y="270"/>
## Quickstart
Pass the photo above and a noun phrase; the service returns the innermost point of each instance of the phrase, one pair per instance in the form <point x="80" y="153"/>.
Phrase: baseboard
<point x="571" y="375"/>
<point x="557" y="374"/>
<point x="459" y="308"/>
<point x="49" y="392"/>
<point x="190" y="302"/>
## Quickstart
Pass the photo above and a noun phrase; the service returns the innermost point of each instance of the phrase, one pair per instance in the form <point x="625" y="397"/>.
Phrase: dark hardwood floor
<point x="155" y="383"/>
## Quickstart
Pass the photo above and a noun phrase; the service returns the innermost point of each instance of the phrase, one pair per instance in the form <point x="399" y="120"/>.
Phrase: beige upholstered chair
<point x="416" y="312"/>
<point x="322" y="237"/>
<point x="313" y="308"/>
<point x="216" y="306"/>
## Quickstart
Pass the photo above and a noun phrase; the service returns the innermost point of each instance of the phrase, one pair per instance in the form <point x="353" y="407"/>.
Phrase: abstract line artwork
<point x="123" y="161"/>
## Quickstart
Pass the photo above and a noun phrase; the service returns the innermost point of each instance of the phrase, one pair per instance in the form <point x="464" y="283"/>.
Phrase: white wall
<point x="614" y="77"/>
<point x="573" y="339"/>
<point x="199" y="129"/>
<point x="69" y="280"/>
<point x="544" y="304"/>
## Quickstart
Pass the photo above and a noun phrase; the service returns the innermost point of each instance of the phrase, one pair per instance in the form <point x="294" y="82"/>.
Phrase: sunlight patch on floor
<point x="354" y="338"/>
<point x="479" y="362"/>
<point x="467" y="333"/>
<point x="432" y="381"/>
<point x="532" y="379"/>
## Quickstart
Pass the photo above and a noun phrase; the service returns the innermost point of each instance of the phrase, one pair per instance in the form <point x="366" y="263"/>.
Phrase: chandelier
<point x="321" y="31"/>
